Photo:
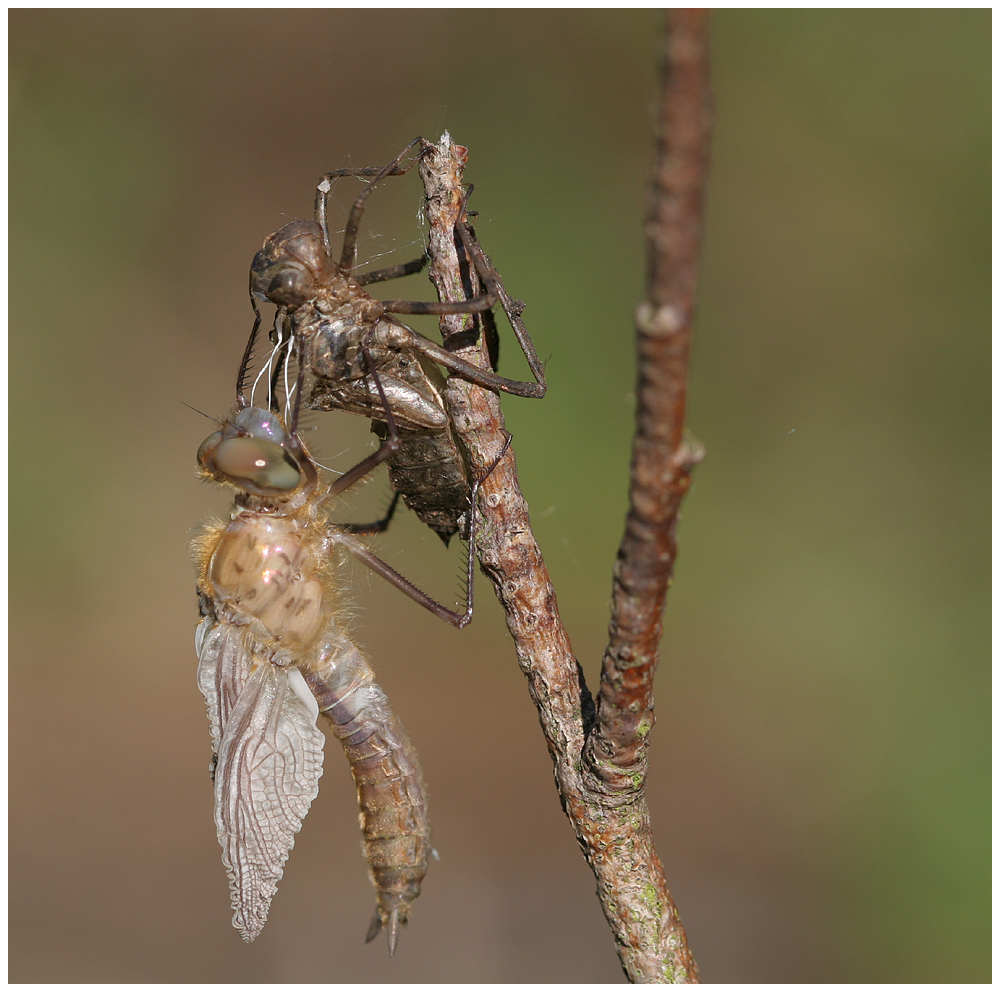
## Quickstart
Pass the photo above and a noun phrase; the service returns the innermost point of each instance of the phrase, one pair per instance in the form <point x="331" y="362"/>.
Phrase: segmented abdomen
<point x="391" y="790"/>
<point x="429" y="471"/>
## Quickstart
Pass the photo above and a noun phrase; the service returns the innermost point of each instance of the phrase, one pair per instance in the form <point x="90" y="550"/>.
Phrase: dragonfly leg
<point x="404" y="585"/>
<point x="394" y="168"/>
<point x="408" y="338"/>
<point x="512" y="308"/>
<point x="495" y="293"/>
<point x="378" y="526"/>
<point x="389" y="444"/>
<point x="392" y="272"/>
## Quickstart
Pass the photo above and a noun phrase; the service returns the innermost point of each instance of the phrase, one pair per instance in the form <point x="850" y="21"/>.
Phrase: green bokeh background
<point x="820" y="768"/>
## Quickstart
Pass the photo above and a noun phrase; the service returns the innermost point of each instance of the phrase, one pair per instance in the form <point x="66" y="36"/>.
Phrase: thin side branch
<point x="600" y="762"/>
<point x="662" y="459"/>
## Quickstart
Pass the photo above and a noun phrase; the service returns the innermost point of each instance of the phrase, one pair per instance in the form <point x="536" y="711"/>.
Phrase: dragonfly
<point x="358" y="353"/>
<point x="275" y="653"/>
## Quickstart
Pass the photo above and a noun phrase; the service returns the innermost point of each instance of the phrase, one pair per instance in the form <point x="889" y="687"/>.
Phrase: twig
<point x="662" y="460"/>
<point x="600" y="759"/>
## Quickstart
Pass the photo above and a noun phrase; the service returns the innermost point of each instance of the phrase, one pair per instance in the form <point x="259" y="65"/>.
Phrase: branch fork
<point x="599" y="748"/>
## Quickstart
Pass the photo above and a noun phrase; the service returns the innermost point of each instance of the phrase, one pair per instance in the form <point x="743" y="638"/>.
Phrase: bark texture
<point x="599" y="750"/>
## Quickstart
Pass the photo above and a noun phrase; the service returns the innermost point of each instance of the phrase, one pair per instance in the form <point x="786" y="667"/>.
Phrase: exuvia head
<point x="255" y="453"/>
<point x="291" y="266"/>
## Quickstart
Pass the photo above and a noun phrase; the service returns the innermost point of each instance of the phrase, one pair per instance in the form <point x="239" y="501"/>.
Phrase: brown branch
<point x="661" y="458"/>
<point x="600" y="763"/>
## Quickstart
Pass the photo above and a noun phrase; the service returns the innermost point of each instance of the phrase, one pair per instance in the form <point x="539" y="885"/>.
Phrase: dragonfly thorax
<point x="270" y="569"/>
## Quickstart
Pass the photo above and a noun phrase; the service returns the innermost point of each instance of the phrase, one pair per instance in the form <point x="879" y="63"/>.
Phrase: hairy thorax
<point x="268" y="569"/>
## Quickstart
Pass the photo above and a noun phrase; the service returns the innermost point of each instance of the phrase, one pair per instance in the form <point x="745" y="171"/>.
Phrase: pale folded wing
<point x="269" y="761"/>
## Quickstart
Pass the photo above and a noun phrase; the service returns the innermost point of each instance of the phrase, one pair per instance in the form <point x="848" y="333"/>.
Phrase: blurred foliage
<point x="820" y="775"/>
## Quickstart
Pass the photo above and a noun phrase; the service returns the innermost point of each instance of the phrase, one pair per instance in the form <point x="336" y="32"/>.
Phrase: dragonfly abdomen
<point x="391" y="791"/>
<point x="430" y="472"/>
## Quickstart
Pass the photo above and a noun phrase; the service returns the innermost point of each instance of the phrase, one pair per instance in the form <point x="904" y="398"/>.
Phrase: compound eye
<point x="265" y="464"/>
<point x="207" y="447"/>
<point x="287" y="287"/>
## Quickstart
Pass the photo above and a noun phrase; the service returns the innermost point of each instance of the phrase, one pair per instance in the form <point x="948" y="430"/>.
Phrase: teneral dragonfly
<point x="365" y="361"/>
<point x="274" y="654"/>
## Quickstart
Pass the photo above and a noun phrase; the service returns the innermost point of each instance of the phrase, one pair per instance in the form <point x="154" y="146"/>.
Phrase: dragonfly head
<point x="255" y="453"/>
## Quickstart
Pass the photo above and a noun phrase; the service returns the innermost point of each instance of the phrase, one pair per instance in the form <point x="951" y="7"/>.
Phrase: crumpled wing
<point x="223" y="671"/>
<point x="269" y="762"/>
